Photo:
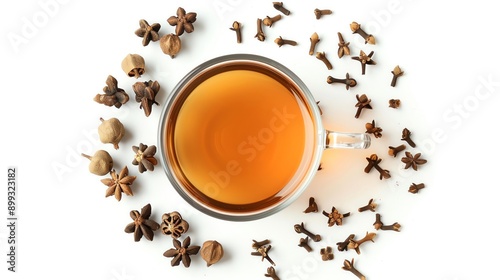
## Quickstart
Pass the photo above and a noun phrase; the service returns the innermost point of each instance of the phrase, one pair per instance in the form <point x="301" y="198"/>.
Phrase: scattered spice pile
<point x="172" y="224"/>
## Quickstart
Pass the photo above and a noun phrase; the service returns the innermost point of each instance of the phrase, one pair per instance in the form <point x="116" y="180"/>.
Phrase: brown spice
<point x="322" y="56"/>
<point x="280" y="42"/>
<point x="144" y="157"/>
<point x="142" y="225"/>
<point x="405" y="136"/>
<point x="181" y="252"/>
<point x="260" y="33"/>
<point x="111" y="131"/>
<point x="348" y="81"/>
<point x="172" y="224"/>
<point x="119" y="184"/>
<point x="145" y="94"/>
<point x="237" y="28"/>
<point x="279" y="6"/>
<point x="415" y="188"/>
<point x="319" y="13"/>
<point x="363" y="103"/>
<point x="394" y="103"/>
<point x="212" y="252"/>
<point x="349" y="266"/>
<point x="269" y="21"/>
<point x="182" y="22"/>
<point x="304" y="243"/>
<point x="133" y="65"/>
<point x="356" y="29"/>
<point x="271" y="272"/>
<point x="413" y="160"/>
<point x="370" y="206"/>
<point x="148" y="32"/>
<point x="326" y="253"/>
<point x="393" y="151"/>
<point x="314" y="41"/>
<point x="343" y="46"/>
<point x="373" y="129"/>
<point x="171" y="45"/>
<point x="299" y="228"/>
<point x="365" y="60"/>
<point x="101" y="162"/>
<point x="396" y="73"/>
<point x="335" y="217"/>
<point x="313" y="207"/>
<point x="355" y="244"/>
<point x="113" y="95"/>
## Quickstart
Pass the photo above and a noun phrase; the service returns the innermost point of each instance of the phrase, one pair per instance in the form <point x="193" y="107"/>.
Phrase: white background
<point x="56" y="56"/>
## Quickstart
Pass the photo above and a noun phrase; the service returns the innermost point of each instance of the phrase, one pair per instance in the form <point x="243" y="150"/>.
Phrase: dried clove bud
<point x="263" y="251"/>
<point x="237" y="28"/>
<point x="101" y="162"/>
<point x="394" y="103"/>
<point x="304" y="243"/>
<point x="326" y="253"/>
<point x="393" y="151"/>
<point x="260" y="33"/>
<point x="405" y="136"/>
<point x="363" y="103"/>
<point x="372" y="129"/>
<point x="314" y="41"/>
<point x="111" y="131"/>
<point x="342" y="246"/>
<point x="414" y="188"/>
<point x="373" y="162"/>
<point x="349" y="266"/>
<point x="356" y="29"/>
<point x="279" y="6"/>
<point x="348" y="81"/>
<point x="322" y="56"/>
<point x="212" y="252"/>
<point x="299" y="228"/>
<point x="313" y="207"/>
<point x="319" y="13"/>
<point x="280" y="42"/>
<point x="354" y="244"/>
<point x="171" y="44"/>
<point x="396" y="73"/>
<point x="271" y="272"/>
<point x="133" y="65"/>
<point x="365" y="60"/>
<point x="343" y="46"/>
<point x="380" y="226"/>
<point x="370" y="206"/>
<point x="269" y="21"/>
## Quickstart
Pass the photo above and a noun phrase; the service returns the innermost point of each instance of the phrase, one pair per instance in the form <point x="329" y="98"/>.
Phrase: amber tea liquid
<point x="240" y="138"/>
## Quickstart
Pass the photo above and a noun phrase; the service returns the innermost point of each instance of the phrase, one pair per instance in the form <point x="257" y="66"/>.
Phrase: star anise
<point x="144" y="157"/>
<point x="413" y="160"/>
<point x="119" y="184"/>
<point x="113" y="95"/>
<point x="183" y="22"/>
<point x="142" y="225"/>
<point x="172" y="224"/>
<point x="145" y="93"/>
<point x="148" y="32"/>
<point x="181" y="252"/>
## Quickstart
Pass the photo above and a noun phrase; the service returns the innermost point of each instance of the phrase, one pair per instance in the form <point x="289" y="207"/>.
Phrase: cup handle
<point x="347" y="140"/>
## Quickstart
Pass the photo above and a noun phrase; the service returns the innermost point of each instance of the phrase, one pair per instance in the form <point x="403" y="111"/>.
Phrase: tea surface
<point x="240" y="137"/>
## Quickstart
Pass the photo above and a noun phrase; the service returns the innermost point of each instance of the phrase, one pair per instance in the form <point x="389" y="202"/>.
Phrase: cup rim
<point x="315" y="158"/>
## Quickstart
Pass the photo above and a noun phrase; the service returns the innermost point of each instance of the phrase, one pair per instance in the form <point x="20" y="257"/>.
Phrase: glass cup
<point x="241" y="137"/>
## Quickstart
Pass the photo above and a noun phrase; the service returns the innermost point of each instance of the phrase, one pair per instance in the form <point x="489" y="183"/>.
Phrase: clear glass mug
<point x="241" y="137"/>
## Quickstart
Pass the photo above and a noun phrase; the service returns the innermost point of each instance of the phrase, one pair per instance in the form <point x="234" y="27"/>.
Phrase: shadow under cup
<point x="240" y="137"/>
